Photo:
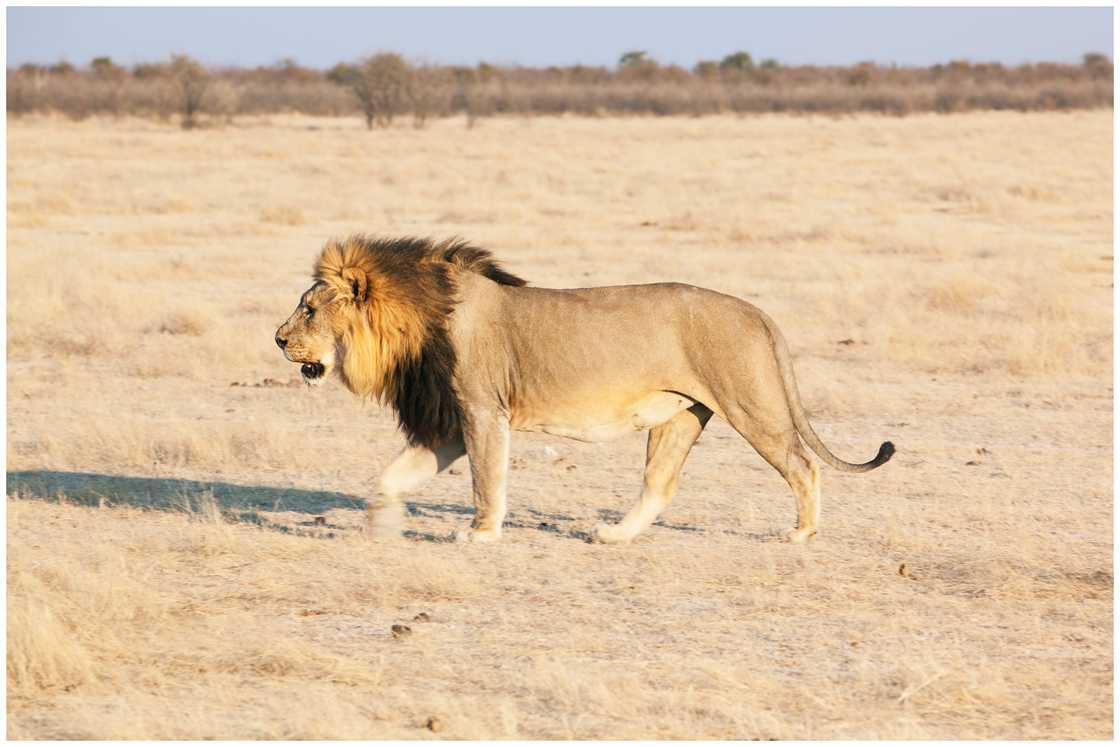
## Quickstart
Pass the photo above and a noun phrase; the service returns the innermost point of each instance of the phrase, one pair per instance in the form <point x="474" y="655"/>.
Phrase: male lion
<point x="465" y="353"/>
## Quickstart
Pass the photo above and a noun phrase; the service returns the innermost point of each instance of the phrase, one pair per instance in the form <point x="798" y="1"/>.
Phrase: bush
<point x="740" y="61"/>
<point x="706" y="69"/>
<point x="634" y="58"/>
<point x="61" y="68"/>
<point x="191" y="81"/>
<point x="1098" y="65"/>
<point x="103" y="67"/>
<point x="381" y="83"/>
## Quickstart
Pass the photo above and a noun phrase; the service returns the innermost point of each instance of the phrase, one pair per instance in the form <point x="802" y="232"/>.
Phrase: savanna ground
<point x="185" y="555"/>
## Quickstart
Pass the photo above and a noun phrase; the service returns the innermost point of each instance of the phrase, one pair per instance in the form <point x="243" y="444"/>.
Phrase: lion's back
<point x="630" y="311"/>
<point x="609" y="342"/>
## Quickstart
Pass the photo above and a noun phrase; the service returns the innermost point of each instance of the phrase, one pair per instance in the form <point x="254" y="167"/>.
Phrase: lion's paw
<point x="610" y="534"/>
<point x="798" y="536"/>
<point x="478" y="535"/>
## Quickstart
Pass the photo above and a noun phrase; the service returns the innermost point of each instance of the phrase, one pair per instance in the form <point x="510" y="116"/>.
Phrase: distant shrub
<point x="222" y="100"/>
<point x="1098" y="65"/>
<point x="288" y="69"/>
<point x="61" y="68"/>
<point x="637" y="66"/>
<point x="148" y="70"/>
<point x="381" y="85"/>
<point x="706" y="69"/>
<point x="341" y="74"/>
<point x="740" y="61"/>
<point x="103" y="67"/>
<point x="191" y="81"/>
<point x="634" y="58"/>
<point x="429" y="92"/>
<point x="861" y="74"/>
<point x="486" y="72"/>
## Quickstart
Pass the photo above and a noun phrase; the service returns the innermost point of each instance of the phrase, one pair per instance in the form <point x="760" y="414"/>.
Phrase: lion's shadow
<point x="171" y="494"/>
<point x="243" y="503"/>
<point x="238" y="503"/>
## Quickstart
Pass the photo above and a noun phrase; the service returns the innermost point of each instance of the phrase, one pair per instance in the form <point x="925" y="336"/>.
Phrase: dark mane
<point x="471" y="258"/>
<point x="415" y="280"/>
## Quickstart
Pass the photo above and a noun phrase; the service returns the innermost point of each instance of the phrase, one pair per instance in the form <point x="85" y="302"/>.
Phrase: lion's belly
<point x="599" y="423"/>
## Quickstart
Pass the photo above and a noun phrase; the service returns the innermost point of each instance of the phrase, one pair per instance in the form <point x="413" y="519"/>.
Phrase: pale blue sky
<point x="557" y="36"/>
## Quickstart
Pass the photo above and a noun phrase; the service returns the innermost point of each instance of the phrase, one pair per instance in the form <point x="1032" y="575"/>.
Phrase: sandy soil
<point x="185" y="557"/>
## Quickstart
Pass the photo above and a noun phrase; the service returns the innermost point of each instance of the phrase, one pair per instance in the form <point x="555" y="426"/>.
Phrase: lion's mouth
<point x="312" y="371"/>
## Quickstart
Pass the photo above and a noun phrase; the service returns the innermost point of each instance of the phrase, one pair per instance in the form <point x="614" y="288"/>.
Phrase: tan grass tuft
<point x="959" y="294"/>
<point x="43" y="654"/>
<point x="284" y="216"/>
<point x="184" y="323"/>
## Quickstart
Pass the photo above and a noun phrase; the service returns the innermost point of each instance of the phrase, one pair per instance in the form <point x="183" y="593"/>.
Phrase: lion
<point x="466" y="352"/>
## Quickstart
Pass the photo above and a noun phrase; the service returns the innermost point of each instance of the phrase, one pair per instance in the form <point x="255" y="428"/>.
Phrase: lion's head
<point x="377" y="314"/>
<point x="310" y="335"/>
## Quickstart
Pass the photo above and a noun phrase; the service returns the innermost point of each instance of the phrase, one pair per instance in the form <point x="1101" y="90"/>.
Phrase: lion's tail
<point x="797" y="411"/>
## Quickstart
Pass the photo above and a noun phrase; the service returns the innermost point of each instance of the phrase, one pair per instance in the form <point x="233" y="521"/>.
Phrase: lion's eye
<point x="310" y="312"/>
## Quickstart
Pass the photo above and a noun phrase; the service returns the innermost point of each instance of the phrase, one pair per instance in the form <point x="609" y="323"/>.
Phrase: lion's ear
<point x="358" y="282"/>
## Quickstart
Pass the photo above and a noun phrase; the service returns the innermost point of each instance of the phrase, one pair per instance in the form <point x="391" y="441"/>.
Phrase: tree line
<point x="385" y="86"/>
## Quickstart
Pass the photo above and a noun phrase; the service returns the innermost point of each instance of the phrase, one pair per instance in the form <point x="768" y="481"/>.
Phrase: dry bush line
<point x="384" y="85"/>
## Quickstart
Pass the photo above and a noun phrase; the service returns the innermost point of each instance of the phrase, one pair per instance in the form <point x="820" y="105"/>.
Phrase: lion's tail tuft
<point x="886" y="451"/>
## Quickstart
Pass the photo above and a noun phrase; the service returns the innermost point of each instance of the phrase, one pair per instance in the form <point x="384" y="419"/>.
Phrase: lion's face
<point x="309" y="336"/>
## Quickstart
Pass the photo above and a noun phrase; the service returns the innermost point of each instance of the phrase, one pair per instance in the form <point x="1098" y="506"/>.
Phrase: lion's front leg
<point x="408" y="471"/>
<point x="486" y="436"/>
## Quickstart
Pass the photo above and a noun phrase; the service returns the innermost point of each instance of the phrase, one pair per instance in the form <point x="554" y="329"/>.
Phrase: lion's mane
<point x="395" y="331"/>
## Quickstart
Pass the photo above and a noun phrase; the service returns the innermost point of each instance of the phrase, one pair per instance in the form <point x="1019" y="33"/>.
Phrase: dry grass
<point x="944" y="281"/>
<point x="285" y="216"/>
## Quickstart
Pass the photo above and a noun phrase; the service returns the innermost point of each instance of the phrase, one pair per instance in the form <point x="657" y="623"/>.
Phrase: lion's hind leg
<point x="804" y="477"/>
<point x="775" y="438"/>
<point x="414" y="466"/>
<point x="666" y="450"/>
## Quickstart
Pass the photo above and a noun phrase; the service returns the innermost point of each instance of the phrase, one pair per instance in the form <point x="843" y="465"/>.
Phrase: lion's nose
<point x="281" y="342"/>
